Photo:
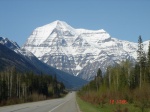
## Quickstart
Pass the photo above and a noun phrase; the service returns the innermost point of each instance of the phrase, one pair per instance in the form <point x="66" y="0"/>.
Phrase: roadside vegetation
<point x="125" y="87"/>
<point x="17" y="87"/>
<point x="89" y="107"/>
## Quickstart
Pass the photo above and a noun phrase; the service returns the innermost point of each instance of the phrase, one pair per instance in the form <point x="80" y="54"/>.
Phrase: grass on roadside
<point x="85" y="106"/>
<point x="88" y="107"/>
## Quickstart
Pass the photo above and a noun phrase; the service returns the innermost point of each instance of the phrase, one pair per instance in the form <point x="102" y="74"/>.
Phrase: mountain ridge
<point x="25" y="61"/>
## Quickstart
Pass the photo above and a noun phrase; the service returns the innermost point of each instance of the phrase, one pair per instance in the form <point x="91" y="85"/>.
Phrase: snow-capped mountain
<point x="78" y="51"/>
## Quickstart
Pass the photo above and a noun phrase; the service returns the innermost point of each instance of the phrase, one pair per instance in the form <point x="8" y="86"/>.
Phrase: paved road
<point x="67" y="104"/>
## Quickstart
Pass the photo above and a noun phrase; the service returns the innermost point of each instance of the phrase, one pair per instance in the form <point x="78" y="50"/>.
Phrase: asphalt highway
<point x="66" y="104"/>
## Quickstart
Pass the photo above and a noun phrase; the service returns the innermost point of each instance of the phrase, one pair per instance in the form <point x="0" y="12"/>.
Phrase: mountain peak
<point x="8" y="43"/>
<point x="59" y="22"/>
<point x="61" y="25"/>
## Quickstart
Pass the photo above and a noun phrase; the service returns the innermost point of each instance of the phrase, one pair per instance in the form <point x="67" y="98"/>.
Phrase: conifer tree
<point x="99" y="78"/>
<point x="141" y="58"/>
<point x="148" y="63"/>
<point x="148" y="55"/>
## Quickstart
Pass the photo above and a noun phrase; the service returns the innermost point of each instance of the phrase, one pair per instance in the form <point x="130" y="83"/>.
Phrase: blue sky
<point x="122" y="19"/>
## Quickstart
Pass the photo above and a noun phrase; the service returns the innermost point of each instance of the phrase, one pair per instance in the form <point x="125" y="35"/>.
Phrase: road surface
<point x="66" y="104"/>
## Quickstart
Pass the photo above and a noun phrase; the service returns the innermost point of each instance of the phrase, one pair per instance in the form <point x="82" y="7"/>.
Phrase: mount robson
<point x="79" y="52"/>
<point x="72" y="55"/>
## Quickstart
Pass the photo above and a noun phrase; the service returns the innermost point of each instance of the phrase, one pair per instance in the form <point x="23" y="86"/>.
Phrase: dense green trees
<point x="24" y="87"/>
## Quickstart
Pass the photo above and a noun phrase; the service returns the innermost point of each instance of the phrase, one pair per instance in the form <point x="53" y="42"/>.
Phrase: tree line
<point x="17" y="87"/>
<point x="128" y="81"/>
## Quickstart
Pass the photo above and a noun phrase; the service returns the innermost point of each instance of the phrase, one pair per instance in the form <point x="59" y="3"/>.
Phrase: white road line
<point x="58" y="106"/>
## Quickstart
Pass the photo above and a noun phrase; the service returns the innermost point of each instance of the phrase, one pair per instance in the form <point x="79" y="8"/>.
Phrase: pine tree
<point x="148" y="63"/>
<point x="141" y="58"/>
<point x="99" y="79"/>
<point x="140" y="51"/>
<point x="148" y="55"/>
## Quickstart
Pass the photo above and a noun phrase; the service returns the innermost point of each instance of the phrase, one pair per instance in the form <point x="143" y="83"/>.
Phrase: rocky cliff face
<point x="79" y="52"/>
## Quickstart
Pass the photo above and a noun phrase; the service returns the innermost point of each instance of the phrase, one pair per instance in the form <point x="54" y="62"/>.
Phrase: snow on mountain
<point x="15" y="47"/>
<point x="78" y="51"/>
<point x="10" y="44"/>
